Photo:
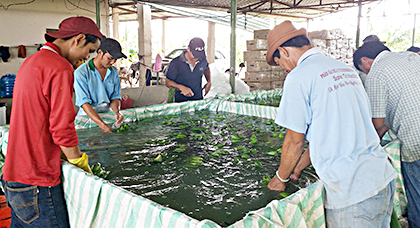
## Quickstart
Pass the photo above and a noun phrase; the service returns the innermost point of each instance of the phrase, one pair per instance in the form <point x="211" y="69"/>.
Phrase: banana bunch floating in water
<point x="124" y="127"/>
<point x="99" y="170"/>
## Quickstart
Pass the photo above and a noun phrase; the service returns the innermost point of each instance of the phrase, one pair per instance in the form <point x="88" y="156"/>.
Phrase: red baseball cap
<point x="73" y="26"/>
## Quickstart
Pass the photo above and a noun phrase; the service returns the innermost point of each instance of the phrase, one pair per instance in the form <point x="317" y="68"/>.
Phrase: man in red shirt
<point x="42" y="126"/>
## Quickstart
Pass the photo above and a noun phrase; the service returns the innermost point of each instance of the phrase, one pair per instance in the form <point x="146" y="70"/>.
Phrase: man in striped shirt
<point x="393" y="87"/>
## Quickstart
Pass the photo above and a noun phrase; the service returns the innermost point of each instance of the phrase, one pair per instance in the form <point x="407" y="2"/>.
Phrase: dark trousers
<point x="411" y="175"/>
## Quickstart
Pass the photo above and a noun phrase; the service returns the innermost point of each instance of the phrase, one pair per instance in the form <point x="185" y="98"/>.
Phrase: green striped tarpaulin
<point x="393" y="147"/>
<point x="305" y="208"/>
<point x="94" y="202"/>
<point x="216" y="105"/>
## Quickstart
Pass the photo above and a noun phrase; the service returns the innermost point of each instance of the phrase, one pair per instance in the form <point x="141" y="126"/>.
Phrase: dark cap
<point x="413" y="49"/>
<point x="197" y="48"/>
<point x="112" y="47"/>
<point x="371" y="38"/>
<point x="73" y="26"/>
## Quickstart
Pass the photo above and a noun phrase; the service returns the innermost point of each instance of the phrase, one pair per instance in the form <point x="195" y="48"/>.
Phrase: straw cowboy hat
<point x="280" y="34"/>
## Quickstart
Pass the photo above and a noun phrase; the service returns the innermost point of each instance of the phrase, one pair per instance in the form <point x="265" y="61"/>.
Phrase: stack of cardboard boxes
<point x="333" y="43"/>
<point x="261" y="76"/>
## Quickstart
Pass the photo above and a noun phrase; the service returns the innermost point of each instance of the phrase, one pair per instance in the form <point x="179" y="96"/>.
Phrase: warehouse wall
<point x="26" y="24"/>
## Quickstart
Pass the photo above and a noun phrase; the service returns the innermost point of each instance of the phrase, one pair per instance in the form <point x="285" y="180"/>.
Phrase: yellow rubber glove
<point x="81" y="162"/>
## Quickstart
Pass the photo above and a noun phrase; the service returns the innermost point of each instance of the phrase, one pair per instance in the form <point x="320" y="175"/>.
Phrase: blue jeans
<point x="411" y="175"/>
<point x="34" y="206"/>
<point x="373" y="212"/>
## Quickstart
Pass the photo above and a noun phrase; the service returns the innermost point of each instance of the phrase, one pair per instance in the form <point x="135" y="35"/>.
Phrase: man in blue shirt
<point x="185" y="73"/>
<point x="97" y="84"/>
<point x="325" y="103"/>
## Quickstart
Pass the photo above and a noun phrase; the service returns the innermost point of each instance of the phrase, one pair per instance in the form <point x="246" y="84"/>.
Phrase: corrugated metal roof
<point x="269" y="8"/>
<point x="246" y="22"/>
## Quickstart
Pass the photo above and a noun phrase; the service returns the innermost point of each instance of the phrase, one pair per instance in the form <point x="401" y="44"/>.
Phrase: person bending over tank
<point x="392" y="87"/>
<point x="325" y="103"/>
<point x="97" y="85"/>
<point x="42" y="126"/>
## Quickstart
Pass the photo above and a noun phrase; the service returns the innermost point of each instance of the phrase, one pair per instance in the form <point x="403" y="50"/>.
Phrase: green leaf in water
<point x="235" y="160"/>
<point x="183" y="126"/>
<point x="148" y="120"/>
<point x="281" y="136"/>
<point x="242" y="149"/>
<point x="214" y="154"/>
<point x="270" y="122"/>
<point x="199" y="128"/>
<point x="236" y="141"/>
<point x="180" y="136"/>
<point x="266" y="178"/>
<point x="272" y="153"/>
<point x="237" y="137"/>
<point x="158" y="158"/>
<point x="179" y="149"/>
<point x="284" y="194"/>
<point x="258" y="164"/>
<point x="245" y="156"/>
<point x="253" y="139"/>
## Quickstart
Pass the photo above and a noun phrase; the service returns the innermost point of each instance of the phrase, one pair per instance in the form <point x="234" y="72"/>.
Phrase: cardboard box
<point x="253" y="86"/>
<point x="254" y="55"/>
<point x="278" y="74"/>
<point x="321" y="43"/>
<point x="261" y="34"/>
<point x="257" y="44"/>
<point x="258" y="76"/>
<point x="277" y="84"/>
<point x="257" y="66"/>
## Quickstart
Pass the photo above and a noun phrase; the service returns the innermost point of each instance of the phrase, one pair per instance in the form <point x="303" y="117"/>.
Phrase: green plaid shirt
<point x="393" y="87"/>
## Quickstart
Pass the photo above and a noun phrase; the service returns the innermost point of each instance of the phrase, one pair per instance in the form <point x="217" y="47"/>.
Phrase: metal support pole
<point x="232" y="44"/>
<point x="358" y="24"/>
<point x="98" y="13"/>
